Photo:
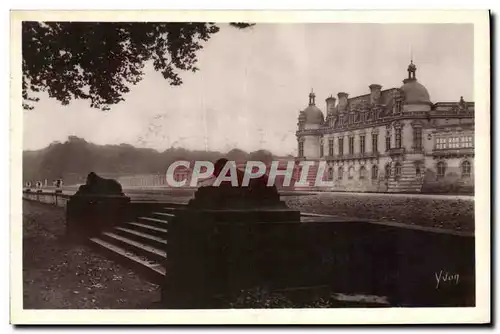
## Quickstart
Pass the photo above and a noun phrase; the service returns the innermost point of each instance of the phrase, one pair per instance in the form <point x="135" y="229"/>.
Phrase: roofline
<point x="452" y="103"/>
<point x="368" y="94"/>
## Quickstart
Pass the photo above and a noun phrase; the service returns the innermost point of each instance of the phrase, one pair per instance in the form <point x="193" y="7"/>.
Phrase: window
<point x="387" y="171"/>
<point x="362" y="172"/>
<point x="388" y="141"/>
<point x="374" y="142"/>
<point x="301" y="149"/>
<point x="374" y="172"/>
<point x="351" y="145"/>
<point x="441" y="143"/>
<point x="398" y="138"/>
<point x="330" y="147"/>
<point x="418" y="170"/>
<point x="321" y="148"/>
<point x="441" y="169"/>
<point x="341" y="146"/>
<point x="341" y="173"/>
<point x="362" y="144"/>
<point x="466" y="169"/>
<point x="454" y="142"/>
<point x="417" y="138"/>
<point x="397" y="171"/>
<point x="330" y="174"/>
<point x="467" y="141"/>
<point x="351" y="172"/>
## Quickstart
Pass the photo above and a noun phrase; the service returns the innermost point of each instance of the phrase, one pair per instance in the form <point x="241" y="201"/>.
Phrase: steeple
<point x="312" y="98"/>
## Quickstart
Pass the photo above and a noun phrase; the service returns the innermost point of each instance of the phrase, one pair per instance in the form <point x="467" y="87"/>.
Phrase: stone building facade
<point x="393" y="140"/>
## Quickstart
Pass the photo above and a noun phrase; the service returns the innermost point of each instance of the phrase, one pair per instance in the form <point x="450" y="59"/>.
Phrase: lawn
<point x="61" y="275"/>
<point x="452" y="214"/>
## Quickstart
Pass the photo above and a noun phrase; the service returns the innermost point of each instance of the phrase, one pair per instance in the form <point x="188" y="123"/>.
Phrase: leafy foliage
<point x="99" y="61"/>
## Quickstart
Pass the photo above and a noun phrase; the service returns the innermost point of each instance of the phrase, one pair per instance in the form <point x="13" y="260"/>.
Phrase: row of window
<point x="417" y="143"/>
<point x="352" y="117"/>
<point x="453" y="145"/>
<point x="362" y="173"/>
<point x="460" y="139"/>
<point x="454" y="142"/>
<point x="441" y="143"/>
<point x="465" y="169"/>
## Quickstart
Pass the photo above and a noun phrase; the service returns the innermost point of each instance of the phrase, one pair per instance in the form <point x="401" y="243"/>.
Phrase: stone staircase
<point x="139" y="245"/>
<point x="408" y="182"/>
<point x="311" y="178"/>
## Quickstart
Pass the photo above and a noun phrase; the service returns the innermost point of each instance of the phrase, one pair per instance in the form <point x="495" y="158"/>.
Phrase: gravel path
<point x="61" y="275"/>
<point x="454" y="214"/>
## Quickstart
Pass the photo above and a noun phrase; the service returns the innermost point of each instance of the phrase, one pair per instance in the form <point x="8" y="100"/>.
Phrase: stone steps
<point x="139" y="245"/>
<point x="146" y="228"/>
<point x="136" y="247"/>
<point x="407" y="181"/>
<point x="311" y="175"/>
<point x="155" y="223"/>
<point x="152" y="270"/>
<point x="148" y="239"/>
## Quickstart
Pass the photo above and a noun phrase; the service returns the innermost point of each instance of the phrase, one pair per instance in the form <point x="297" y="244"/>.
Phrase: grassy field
<point x="449" y="213"/>
<point x="61" y="275"/>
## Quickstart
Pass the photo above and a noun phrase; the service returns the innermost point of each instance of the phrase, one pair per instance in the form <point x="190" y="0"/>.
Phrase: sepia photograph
<point x="314" y="162"/>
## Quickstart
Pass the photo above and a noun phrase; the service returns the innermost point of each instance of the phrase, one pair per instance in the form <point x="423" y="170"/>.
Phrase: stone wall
<point x="452" y="182"/>
<point x="47" y="197"/>
<point x="210" y="258"/>
<point x="311" y="147"/>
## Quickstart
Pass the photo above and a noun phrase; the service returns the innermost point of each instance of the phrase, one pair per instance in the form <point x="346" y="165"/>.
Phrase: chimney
<point x="330" y="104"/>
<point x="342" y="100"/>
<point x="375" y="93"/>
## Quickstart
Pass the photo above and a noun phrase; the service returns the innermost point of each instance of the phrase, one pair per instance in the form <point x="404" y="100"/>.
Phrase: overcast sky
<point x="253" y="82"/>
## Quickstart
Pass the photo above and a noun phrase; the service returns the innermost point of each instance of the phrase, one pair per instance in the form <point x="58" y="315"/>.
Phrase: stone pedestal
<point x="204" y="238"/>
<point x="88" y="215"/>
<point x="97" y="205"/>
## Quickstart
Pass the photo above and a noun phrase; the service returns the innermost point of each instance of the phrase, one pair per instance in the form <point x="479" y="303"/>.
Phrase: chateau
<point x="393" y="140"/>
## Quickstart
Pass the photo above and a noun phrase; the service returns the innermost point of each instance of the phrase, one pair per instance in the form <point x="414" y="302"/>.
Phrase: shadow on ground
<point x="61" y="275"/>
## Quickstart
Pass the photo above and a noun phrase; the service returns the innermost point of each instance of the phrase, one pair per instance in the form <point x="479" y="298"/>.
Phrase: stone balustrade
<point x="49" y="197"/>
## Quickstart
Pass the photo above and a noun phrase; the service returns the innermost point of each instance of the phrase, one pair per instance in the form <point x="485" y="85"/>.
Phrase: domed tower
<point x="314" y="116"/>
<point x="310" y="119"/>
<point x="415" y="95"/>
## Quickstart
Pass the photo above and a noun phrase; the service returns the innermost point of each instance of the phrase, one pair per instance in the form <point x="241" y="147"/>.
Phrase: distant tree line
<point x="75" y="158"/>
